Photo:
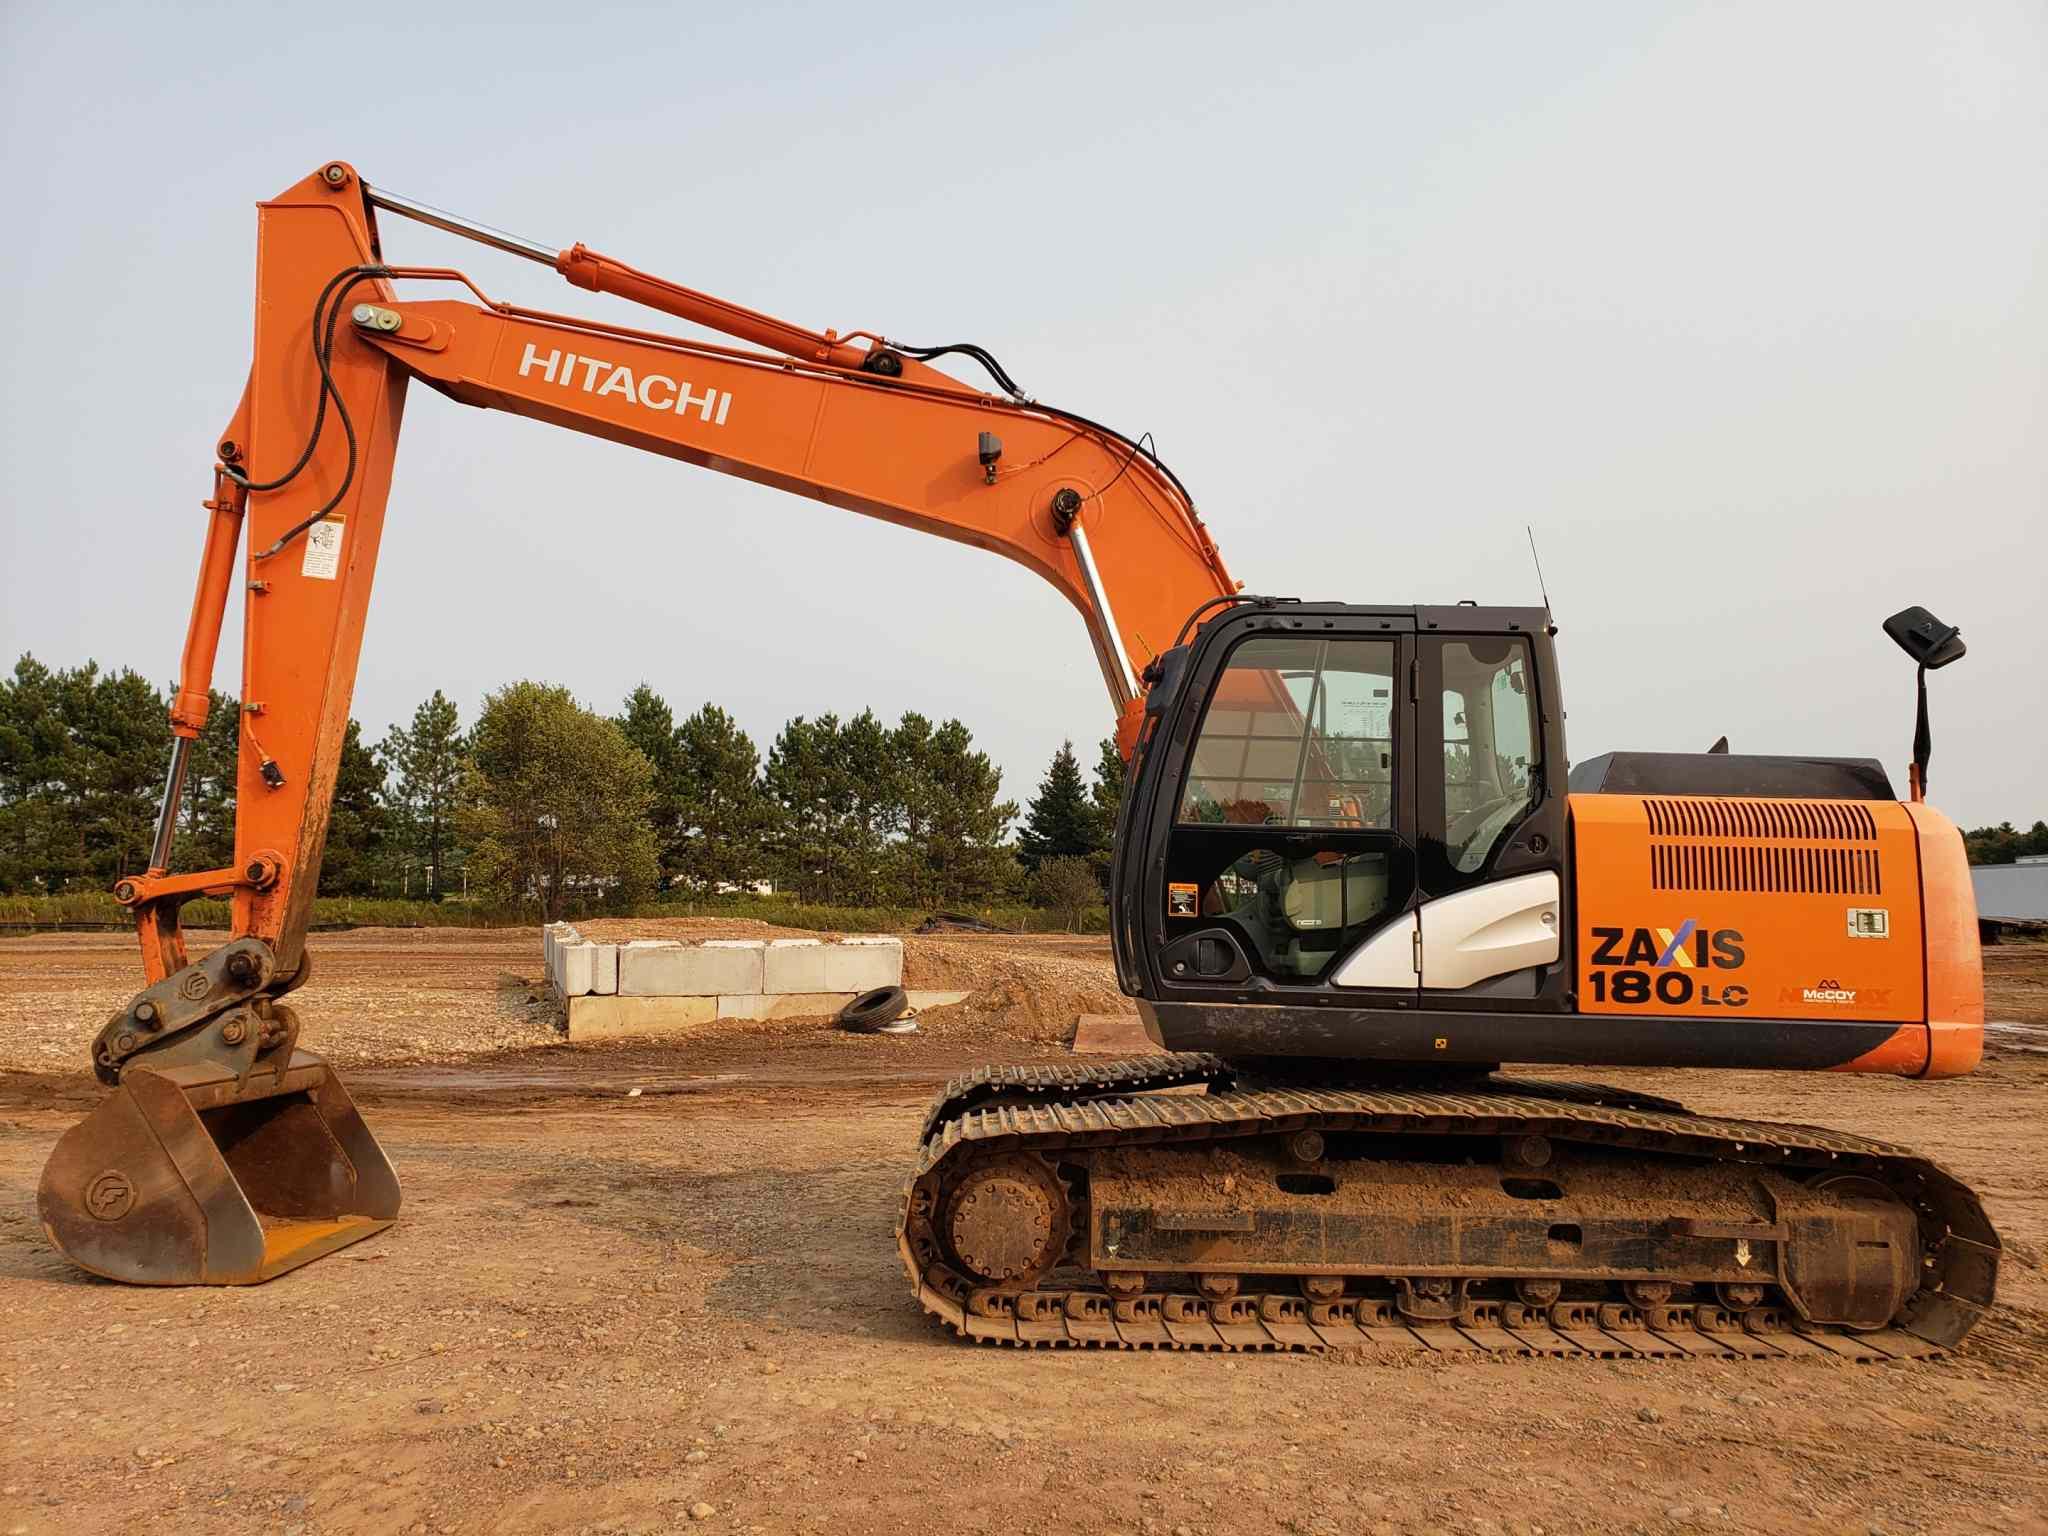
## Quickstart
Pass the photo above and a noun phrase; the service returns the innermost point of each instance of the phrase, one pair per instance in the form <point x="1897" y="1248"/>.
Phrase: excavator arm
<point x="199" y="1169"/>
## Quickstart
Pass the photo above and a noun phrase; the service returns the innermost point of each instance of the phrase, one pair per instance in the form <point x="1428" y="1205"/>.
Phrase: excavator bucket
<point x="192" y="1175"/>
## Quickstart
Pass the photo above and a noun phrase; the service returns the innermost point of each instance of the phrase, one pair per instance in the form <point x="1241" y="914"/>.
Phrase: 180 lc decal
<point x="1637" y="965"/>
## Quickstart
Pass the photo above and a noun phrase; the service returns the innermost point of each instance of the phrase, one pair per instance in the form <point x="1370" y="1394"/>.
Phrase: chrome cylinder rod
<point x="167" y="813"/>
<point x="455" y="224"/>
<point x="1109" y="647"/>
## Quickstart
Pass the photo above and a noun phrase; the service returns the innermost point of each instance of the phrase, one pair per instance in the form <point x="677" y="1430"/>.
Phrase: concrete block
<point x="554" y="938"/>
<point x="793" y="965"/>
<point x="604" y="980"/>
<point x="697" y="970"/>
<point x="621" y="1018"/>
<point x="579" y="969"/>
<point x="782" y="1005"/>
<point x="861" y="965"/>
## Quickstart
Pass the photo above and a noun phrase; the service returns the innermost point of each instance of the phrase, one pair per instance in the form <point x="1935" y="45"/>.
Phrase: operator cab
<point x="1308" y="777"/>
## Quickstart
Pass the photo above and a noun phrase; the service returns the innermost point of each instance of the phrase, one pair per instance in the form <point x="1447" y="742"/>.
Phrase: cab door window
<point x="1284" y="829"/>
<point x="1299" y="733"/>
<point x="1492" y="757"/>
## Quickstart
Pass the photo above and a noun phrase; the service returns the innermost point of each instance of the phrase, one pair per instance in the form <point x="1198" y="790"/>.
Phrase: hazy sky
<point x="1742" y="306"/>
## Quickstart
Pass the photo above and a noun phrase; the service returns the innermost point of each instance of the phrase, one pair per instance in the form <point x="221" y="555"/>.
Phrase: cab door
<point x="1489" y="844"/>
<point x="1283" y="819"/>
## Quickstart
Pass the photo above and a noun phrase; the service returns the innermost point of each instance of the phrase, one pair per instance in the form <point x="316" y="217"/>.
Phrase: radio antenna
<point x="1538" y="559"/>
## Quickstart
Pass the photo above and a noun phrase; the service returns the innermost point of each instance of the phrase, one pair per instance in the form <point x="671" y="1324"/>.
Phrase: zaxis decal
<point x="1624" y="959"/>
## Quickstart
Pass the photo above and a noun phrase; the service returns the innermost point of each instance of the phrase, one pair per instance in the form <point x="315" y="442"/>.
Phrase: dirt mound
<point x="1026" y="986"/>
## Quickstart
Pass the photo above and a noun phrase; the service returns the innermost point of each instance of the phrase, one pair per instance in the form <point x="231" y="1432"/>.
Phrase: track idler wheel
<point x="1006" y="1220"/>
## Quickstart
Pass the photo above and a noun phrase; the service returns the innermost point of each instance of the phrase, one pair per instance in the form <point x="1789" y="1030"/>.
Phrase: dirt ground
<point x="606" y="1313"/>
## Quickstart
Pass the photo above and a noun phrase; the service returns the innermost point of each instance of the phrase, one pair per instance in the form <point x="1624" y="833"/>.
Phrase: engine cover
<point x="1708" y="907"/>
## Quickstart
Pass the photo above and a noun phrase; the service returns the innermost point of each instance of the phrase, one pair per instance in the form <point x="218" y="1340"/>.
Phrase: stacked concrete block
<point x="690" y="970"/>
<point x="576" y="967"/>
<point x="862" y="964"/>
<point x="850" y="965"/>
<point x="662" y="986"/>
<point x="794" y="965"/>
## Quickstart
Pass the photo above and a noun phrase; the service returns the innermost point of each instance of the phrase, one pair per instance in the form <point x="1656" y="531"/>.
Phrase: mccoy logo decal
<point x="1827" y="992"/>
<point x="656" y="391"/>
<point x="1624" y="959"/>
<point x="1831" y="993"/>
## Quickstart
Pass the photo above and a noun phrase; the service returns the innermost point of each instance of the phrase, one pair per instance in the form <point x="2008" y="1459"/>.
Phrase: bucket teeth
<point x="195" y="1175"/>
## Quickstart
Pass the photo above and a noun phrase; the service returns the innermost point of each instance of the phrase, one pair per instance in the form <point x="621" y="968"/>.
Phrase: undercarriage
<point x="1182" y="1201"/>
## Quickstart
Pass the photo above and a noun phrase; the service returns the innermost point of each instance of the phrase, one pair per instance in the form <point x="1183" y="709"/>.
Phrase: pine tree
<point x="802" y="786"/>
<point x="425" y="763"/>
<point x="116" y="722"/>
<point x="1108" y="789"/>
<point x="723" y="818"/>
<point x="1107" y="796"/>
<point x="650" y="725"/>
<point x="873" y="806"/>
<point x="36" y="774"/>
<point x="951" y="826"/>
<point x="359" y="825"/>
<point x="831" y="786"/>
<point x="206" y="838"/>
<point x="1061" y="822"/>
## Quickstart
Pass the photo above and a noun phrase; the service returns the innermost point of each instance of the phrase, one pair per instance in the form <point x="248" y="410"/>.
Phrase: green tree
<point x="206" y="831"/>
<point x="823" y="813"/>
<point x="874" y="807"/>
<point x="1067" y="887"/>
<point x="650" y="725"/>
<point x="358" y="825"/>
<point x="798" y="783"/>
<point x="37" y="771"/>
<point x="116" y="722"/>
<point x="2005" y="842"/>
<point x="425" y="763"/>
<point x="1061" y="821"/>
<point x="950" y="848"/>
<point x="1108" y="789"/>
<point x="1107" y="796"/>
<point x="555" y="803"/>
<point x="724" y="820"/>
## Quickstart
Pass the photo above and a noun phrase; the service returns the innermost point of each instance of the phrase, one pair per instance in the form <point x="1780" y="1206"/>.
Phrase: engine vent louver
<point x="1837" y="821"/>
<point x="1776" y="854"/>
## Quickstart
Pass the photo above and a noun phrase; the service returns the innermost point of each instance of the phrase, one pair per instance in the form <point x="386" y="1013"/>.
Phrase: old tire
<point x="871" y="1010"/>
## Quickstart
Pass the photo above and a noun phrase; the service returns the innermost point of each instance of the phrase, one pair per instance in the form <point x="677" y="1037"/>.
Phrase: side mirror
<point x="1932" y="644"/>
<point x="1925" y="638"/>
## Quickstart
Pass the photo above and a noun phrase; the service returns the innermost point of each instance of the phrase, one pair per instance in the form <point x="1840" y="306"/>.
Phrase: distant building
<point x="2012" y="893"/>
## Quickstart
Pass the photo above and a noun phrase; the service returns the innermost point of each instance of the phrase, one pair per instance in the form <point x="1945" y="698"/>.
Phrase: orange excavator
<point x="1354" y="875"/>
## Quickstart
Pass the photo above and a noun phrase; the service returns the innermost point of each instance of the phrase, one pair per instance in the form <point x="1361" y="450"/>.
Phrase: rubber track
<point x="1070" y="1081"/>
<point x="1932" y="1320"/>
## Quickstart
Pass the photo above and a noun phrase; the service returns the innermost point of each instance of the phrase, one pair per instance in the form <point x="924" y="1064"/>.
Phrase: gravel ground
<point x="621" y="1316"/>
